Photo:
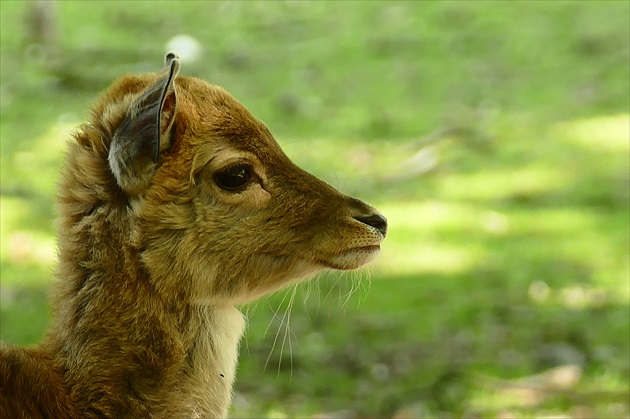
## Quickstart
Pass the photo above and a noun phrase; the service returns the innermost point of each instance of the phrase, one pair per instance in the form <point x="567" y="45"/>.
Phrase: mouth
<point x="352" y="258"/>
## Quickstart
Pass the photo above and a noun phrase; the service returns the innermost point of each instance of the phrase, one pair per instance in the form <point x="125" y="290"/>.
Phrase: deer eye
<point x="234" y="178"/>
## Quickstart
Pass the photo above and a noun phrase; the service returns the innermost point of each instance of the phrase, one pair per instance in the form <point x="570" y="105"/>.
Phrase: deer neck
<point x="151" y="354"/>
<point x="158" y="364"/>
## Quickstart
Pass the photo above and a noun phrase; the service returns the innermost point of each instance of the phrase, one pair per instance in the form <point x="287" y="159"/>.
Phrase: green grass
<point x="493" y="135"/>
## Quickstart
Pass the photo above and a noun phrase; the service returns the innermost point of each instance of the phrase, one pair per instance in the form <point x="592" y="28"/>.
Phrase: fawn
<point x="175" y="206"/>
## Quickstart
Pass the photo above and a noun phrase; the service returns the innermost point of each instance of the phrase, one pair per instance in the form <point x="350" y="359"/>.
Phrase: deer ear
<point x="145" y="132"/>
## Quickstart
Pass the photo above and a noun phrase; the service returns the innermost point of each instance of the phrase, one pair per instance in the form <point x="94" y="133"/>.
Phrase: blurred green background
<point x="493" y="135"/>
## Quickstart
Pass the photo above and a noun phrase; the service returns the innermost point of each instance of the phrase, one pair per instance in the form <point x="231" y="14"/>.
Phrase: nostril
<point x="374" y="220"/>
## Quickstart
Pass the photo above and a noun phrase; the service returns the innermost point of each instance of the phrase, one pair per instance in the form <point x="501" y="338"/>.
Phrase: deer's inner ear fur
<point x="144" y="133"/>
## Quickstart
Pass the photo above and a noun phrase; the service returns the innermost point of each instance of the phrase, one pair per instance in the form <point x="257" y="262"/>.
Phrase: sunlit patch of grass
<point x="551" y="220"/>
<point x="414" y="245"/>
<point x="451" y="237"/>
<point x="431" y="215"/>
<point x="496" y="184"/>
<point x="426" y="258"/>
<point x="597" y="134"/>
<point x="439" y="216"/>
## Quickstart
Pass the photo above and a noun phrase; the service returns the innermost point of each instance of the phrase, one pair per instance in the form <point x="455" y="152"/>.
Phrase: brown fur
<point x="154" y="255"/>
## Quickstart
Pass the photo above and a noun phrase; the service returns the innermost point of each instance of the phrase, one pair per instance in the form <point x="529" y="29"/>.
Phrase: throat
<point x="212" y="359"/>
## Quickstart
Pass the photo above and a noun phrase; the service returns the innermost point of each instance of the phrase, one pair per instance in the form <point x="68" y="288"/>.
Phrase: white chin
<point x="354" y="258"/>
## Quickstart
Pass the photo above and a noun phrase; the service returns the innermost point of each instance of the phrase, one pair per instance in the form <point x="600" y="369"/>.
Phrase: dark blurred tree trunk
<point x="42" y="29"/>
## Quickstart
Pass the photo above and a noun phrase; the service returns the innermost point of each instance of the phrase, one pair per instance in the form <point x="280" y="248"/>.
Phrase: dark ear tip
<point x="172" y="63"/>
<point x="170" y="57"/>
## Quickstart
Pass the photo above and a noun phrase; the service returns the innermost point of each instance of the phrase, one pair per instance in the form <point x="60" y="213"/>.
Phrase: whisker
<point x="287" y="332"/>
<point x="247" y="317"/>
<point x="367" y="284"/>
<point x="324" y="277"/>
<point x="274" y="317"/>
<point x="334" y="285"/>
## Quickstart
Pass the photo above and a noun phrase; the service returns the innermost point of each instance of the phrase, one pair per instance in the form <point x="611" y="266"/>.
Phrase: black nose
<point x="374" y="220"/>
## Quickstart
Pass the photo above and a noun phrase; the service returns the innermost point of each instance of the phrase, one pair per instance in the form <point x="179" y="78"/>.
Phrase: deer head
<point x="217" y="212"/>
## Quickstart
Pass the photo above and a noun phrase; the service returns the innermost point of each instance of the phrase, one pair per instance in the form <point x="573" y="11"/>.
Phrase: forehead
<point x="218" y="120"/>
<point x="217" y="114"/>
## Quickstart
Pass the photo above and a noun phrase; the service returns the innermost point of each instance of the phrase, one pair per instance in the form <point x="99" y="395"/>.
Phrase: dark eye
<point x="234" y="178"/>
